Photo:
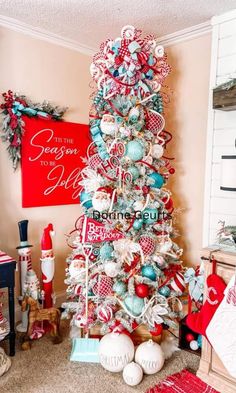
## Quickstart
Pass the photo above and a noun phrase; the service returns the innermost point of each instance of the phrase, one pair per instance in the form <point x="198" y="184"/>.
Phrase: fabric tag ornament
<point x="221" y="332"/>
<point x="198" y="322"/>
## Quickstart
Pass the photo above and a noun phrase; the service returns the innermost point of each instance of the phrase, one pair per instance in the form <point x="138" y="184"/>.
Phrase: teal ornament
<point x="138" y="224"/>
<point x="85" y="199"/>
<point x="199" y="341"/>
<point x="134" y="150"/>
<point x="134" y="304"/>
<point x="150" y="216"/>
<point x="158" y="180"/>
<point x="119" y="288"/>
<point x="164" y="291"/>
<point x="134" y="172"/>
<point x="106" y="251"/>
<point x="149" y="272"/>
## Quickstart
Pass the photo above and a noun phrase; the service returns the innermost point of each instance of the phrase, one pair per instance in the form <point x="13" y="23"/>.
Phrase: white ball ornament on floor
<point x="150" y="357"/>
<point x="132" y="374"/>
<point x="115" y="351"/>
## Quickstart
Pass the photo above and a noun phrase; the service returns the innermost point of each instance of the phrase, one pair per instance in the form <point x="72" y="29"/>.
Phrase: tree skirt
<point x="183" y="382"/>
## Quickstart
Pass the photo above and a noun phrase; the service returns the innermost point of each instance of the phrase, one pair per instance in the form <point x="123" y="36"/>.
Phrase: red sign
<point x="95" y="232"/>
<point x="51" y="161"/>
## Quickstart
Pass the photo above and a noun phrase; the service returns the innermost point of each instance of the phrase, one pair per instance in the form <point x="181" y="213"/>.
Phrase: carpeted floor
<point x="46" y="369"/>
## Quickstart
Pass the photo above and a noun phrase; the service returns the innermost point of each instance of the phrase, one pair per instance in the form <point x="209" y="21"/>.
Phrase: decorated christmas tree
<point x="125" y="267"/>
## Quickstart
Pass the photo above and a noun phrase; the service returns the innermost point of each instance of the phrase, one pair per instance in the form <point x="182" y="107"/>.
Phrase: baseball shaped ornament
<point x="105" y="314"/>
<point x="103" y="286"/>
<point x="112" y="269"/>
<point x="150" y="357"/>
<point x="102" y="199"/>
<point x="177" y="283"/>
<point x="108" y="125"/>
<point x="157" y="151"/>
<point x="115" y="351"/>
<point x="132" y="374"/>
<point x="147" y="244"/>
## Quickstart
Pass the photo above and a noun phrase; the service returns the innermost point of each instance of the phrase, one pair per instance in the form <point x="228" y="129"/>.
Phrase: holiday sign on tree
<point x="125" y="268"/>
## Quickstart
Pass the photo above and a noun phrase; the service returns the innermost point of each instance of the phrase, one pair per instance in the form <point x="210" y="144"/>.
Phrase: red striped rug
<point x="183" y="382"/>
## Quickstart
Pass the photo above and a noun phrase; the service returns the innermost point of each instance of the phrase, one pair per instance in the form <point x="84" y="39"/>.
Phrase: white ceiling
<point x="89" y="22"/>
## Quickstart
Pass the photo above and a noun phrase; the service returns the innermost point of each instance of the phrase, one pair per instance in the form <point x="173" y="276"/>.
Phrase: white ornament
<point x="115" y="351"/>
<point x="194" y="345"/>
<point x="138" y="206"/>
<point x="159" y="51"/>
<point x="111" y="269"/>
<point x="132" y="374"/>
<point x="108" y="125"/>
<point x="157" y="151"/>
<point x="150" y="357"/>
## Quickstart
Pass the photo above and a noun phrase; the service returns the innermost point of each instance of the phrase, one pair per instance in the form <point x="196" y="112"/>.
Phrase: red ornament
<point x="168" y="203"/>
<point x="157" y="329"/>
<point x="147" y="244"/>
<point x="142" y="290"/>
<point x="189" y="337"/>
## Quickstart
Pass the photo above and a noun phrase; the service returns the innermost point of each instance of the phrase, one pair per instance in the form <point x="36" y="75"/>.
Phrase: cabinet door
<point x="226" y="272"/>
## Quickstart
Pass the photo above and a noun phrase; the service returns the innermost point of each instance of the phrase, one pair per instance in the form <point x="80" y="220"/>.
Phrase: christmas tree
<point x="125" y="267"/>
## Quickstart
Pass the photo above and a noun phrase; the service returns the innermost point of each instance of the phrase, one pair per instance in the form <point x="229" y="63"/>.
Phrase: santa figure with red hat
<point x="47" y="265"/>
<point x="103" y="199"/>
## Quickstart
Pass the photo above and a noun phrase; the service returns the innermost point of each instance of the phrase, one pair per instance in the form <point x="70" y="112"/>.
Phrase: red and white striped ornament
<point x="177" y="283"/>
<point x="147" y="244"/>
<point x="105" y="314"/>
<point x="103" y="286"/>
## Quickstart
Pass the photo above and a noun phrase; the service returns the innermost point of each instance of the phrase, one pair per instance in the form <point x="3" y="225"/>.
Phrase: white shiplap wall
<point x="220" y="205"/>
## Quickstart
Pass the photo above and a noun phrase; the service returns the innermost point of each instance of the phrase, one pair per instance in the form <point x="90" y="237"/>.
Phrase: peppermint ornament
<point x="105" y="314"/>
<point x="103" y="286"/>
<point x="177" y="283"/>
<point x="147" y="244"/>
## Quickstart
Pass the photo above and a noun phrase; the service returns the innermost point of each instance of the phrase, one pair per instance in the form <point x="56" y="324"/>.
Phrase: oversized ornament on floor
<point x="115" y="351"/>
<point x="103" y="286"/>
<point x="134" y="150"/>
<point x="108" y="125"/>
<point x="150" y="357"/>
<point x="102" y="199"/>
<point x="132" y="374"/>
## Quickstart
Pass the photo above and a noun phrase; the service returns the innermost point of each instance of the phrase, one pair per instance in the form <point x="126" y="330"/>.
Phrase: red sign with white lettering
<point x="51" y="161"/>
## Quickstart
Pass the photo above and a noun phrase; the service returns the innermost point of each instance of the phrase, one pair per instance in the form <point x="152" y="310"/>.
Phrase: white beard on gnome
<point x="101" y="201"/>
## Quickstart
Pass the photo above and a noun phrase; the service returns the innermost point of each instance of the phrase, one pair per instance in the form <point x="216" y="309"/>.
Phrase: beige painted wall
<point x="45" y="71"/>
<point x="41" y="71"/>
<point x="186" y="117"/>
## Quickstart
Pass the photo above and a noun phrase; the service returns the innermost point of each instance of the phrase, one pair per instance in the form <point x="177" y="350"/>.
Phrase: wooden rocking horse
<point x="36" y="314"/>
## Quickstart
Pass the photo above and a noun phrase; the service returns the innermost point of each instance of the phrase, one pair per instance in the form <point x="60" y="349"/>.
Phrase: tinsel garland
<point x="13" y="108"/>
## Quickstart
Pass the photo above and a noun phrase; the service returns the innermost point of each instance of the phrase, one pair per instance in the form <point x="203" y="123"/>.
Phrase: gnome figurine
<point x="47" y="265"/>
<point x="25" y="265"/>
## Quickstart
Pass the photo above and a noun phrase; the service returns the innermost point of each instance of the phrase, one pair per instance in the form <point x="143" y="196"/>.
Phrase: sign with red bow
<point x="95" y="232"/>
<point x="51" y="161"/>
